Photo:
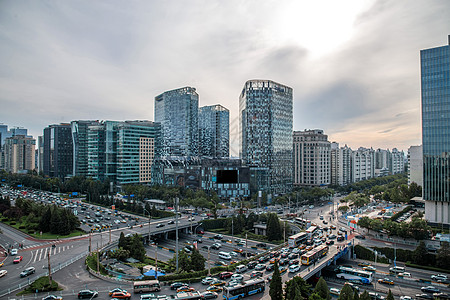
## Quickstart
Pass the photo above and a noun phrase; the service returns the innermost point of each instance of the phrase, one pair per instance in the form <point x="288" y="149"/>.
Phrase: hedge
<point x="214" y="223"/>
<point x="406" y="255"/>
<point x="401" y="213"/>
<point x="42" y="285"/>
<point x="367" y="254"/>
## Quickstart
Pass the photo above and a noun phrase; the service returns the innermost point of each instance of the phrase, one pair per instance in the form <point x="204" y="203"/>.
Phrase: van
<point x="241" y="269"/>
<point x="396" y="270"/>
<point x="224" y="255"/>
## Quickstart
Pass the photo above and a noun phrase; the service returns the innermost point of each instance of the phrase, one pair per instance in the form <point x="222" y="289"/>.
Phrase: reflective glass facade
<point x="177" y="111"/>
<point x="265" y="132"/>
<point x="435" y="79"/>
<point x="58" y="151"/>
<point x="214" y="131"/>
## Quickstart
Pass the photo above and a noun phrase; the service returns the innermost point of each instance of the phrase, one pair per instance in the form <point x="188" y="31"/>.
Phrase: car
<point x="404" y="275"/>
<point x="386" y="281"/>
<point x="370" y="268"/>
<point x="441" y="296"/>
<point x="237" y="277"/>
<point x="213" y="288"/>
<point x="3" y="273"/>
<point x="121" y="295"/>
<point x="329" y="243"/>
<point x="364" y="264"/>
<point x="177" y="285"/>
<point x="252" y="264"/>
<point x="185" y="289"/>
<point x="270" y="268"/>
<point x="1" y="264"/>
<point x="116" y="290"/>
<point x="207" y="280"/>
<point x="375" y="296"/>
<point x="28" y="271"/>
<point x="218" y="282"/>
<point x="261" y="245"/>
<point x="209" y="295"/>
<point x="406" y="298"/>
<point x="160" y="225"/>
<point x="293" y="262"/>
<point x="439" y="277"/>
<point x="52" y="297"/>
<point x="18" y="259"/>
<point x="260" y="267"/>
<point x="255" y="274"/>
<point x="332" y="226"/>
<point x="294" y="268"/>
<point x="198" y="240"/>
<point x="218" y="237"/>
<point x="360" y="237"/>
<point x="430" y="289"/>
<point x="335" y="291"/>
<point x="293" y="256"/>
<point x="87" y="294"/>
<point x="171" y="222"/>
<point x="353" y="286"/>
<point x="225" y="275"/>
<point x="340" y="238"/>
<point x="332" y="236"/>
<point x="216" y="246"/>
<point x="283" y="261"/>
<point x="14" y="252"/>
<point x="324" y="222"/>
<point x="424" y="296"/>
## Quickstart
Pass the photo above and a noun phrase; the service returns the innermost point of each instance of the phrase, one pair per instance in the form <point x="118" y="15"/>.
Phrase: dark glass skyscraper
<point x="214" y="131"/>
<point x="58" y="151"/>
<point x="265" y="132"/>
<point x="435" y="79"/>
<point x="177" y="111"/>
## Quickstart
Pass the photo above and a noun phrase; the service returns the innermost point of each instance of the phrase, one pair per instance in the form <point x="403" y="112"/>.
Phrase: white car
<point x="3" y="273"/>
<point x="439" y="277"/>
<point x="260" y="267"/>
<point x="207" y="280"/>
<point x="14" y="252"/>
<point x="294" y="268"/>
<point x="406" y="298"/>
<point x="237" y="277"/>
<point x="405" y="275"/>
<point x="335" y="291"/>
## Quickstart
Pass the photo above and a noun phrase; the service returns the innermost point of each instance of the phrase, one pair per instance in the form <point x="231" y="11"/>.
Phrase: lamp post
<point x="149" y="220"/>
<point x="176" y="231"/>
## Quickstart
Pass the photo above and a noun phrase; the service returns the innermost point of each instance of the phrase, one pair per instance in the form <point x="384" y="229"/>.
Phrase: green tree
<point x="389" y="295"/>
<point x="297" y="289"/>
<point x="273" y="228"/>
<point x="276" y="285"/>
<point x="184" y="262"/>
<point x="197" y="261"/>
<point x="322" y="289"/>
<point x="346" y="293"/>
<point x="355" y="295"/>
<point x="315" y="296"/>
<point x="364" y="296"/>
<point x="137" y="249"/>
<point x="443" y="256"/>
<point x="420" y="253"/>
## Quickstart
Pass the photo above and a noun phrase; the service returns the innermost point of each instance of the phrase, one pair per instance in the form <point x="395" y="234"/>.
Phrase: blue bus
<point x="247" y="288"/>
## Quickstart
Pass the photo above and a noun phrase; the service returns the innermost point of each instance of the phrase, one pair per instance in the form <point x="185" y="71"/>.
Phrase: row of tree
<point x="188" y="262"/>
<point x="298" y="289"/>
<point x="417" y="228"/>
<point x="40" y="217"/>
<point x="130" y="246"/>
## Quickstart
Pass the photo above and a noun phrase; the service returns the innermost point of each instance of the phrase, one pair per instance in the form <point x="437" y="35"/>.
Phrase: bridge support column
<point x="166" y="235"/>
<point x="348" y="255"/>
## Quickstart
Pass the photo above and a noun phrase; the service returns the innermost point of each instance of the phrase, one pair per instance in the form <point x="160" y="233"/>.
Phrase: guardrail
<point x="33" y="278"/>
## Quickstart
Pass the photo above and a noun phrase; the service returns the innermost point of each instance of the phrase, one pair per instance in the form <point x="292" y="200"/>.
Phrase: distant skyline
<point x="354" y="66"/>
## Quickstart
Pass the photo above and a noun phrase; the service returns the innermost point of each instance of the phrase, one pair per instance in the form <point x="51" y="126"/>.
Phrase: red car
<point x="121" y="295"/>
<point x="225" y="275"/>
<point x="18" y="259"/>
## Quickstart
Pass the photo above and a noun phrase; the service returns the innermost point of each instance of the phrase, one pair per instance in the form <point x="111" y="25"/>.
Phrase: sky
<point x="353" y="65"/>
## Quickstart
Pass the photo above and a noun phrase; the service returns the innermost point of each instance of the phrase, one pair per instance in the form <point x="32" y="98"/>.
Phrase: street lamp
<point x="149" y="220"/>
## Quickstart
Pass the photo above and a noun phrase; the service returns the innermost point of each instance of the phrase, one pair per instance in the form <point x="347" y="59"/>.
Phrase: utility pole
<point x="110" y="234"/>
<point x="176" y="231"/>
<point x="90" y="235"/>
<point x="98" y="261"/>
<point x="232" y="229"/>
<point x="156" y="258"/>
<point x="246" y="246"/>
<point x="49" y="269"/>
<point x="209" y="263"/>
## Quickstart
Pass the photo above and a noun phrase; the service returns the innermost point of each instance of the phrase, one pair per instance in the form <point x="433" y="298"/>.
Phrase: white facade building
<point x="415" y="165"/>
<point x="363" y="164"/>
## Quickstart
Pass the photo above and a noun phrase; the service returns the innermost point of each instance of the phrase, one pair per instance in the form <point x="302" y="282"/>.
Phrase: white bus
<point x="146" y="286"/>
<point x="310" y="231"/>
<point x="303" y="222"/>
<point x="354" y="275"/>
<point x="297" y="239"/>
<point x="247" y="288"/>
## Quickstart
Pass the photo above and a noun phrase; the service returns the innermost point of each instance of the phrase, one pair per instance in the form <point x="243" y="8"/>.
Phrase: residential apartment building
<point x="57" y="151"/>
<point x="341" y="164"/>
<point x="177" y="111"/>
<point x="265" y="132"/>
<point x="435" y="83"/>
<point x="397" y="162"/>
<point x="363" y="164"/>
<point x="214" y="131"/>
<point x="415" y="165"/>
<point x="312" y="161"/>
<point x="19" y="154"/>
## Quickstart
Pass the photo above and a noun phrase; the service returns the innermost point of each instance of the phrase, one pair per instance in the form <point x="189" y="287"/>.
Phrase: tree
<point x="364" y="296"/>
<point x="184" y="262"/>
<point x="137" y="249"/>
<point x="389" y="295"/>
<point x="276" y="285"/>
<point x="346" y="293"/>
<point x="420" y="253"/>
<point x="296" y="289"/>
<point x="197" y="260"/>
<point x="315" y="296"/>
<point x="322" y="289"/>
<point x="273" y="228"/>
<point x="443" y="256"/>
<point x="356" y="295"/>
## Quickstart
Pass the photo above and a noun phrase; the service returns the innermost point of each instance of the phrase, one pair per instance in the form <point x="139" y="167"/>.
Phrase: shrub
<point x="42" y="285"/>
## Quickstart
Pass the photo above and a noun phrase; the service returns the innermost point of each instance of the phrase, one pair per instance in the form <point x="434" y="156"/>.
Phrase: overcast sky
<point x="353" y="65"/>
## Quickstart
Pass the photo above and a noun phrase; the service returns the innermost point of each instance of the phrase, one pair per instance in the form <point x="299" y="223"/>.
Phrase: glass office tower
<point x="435" y="79"/>
<point x="58" y="151"/>
<point x="214" y="131"/>
<point x="265" y="132"/>
<point x="177" y="111"/>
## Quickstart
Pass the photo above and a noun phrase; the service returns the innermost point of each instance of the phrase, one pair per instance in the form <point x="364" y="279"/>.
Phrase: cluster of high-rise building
<point x="188" y="145"/>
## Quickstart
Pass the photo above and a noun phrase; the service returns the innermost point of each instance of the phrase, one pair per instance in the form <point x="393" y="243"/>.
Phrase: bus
<point x="188" y="296"/>
<point x="311" y="230"/>
<point x="146" y="286"/>
<point x="303" y="222"/>
<point x="297" y="239"/>
<point x="247" y="288"/>
<point x="354" y="275"/>
<point x="314" y="254"/>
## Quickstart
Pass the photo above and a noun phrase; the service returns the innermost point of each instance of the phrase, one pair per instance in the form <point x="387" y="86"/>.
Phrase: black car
<point x="269" y="268"/>
<point x="330" y="243"/>
<point x="430" y="289"/>
<point x="87" y="294"/>
<point x="261" y="245"/>
<point x="177" y="285"/>
<point x="361" y="237"/>
<point x="293" y="256"/>
<point x="171" y="222"/>
<point x="283" y="261"/>
<point x="160" y="225"/>
<point x="340" y="238"/>
<point x="252" y="264"/>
